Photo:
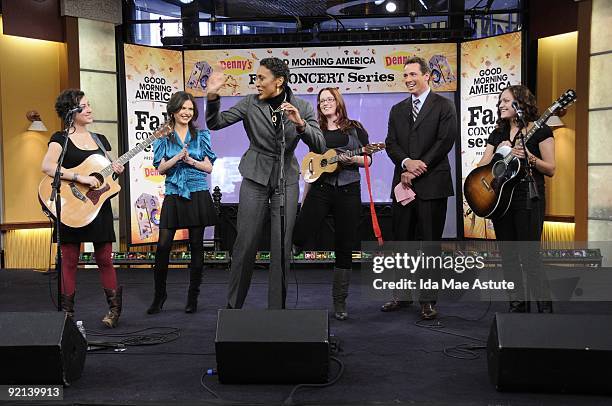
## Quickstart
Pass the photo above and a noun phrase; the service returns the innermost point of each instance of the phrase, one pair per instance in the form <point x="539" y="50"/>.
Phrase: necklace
<point x="277" y="110"/>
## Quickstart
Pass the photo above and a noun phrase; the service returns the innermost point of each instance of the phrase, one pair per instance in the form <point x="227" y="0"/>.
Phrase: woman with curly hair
<point x="81" y="145"/>
<point x="524" y="219"/>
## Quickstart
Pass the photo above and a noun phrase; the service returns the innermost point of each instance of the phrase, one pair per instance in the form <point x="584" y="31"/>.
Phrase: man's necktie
<point x="415" y="108"/>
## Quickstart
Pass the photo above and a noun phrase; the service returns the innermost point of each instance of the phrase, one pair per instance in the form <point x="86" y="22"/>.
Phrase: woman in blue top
<point x="185" y="157"/>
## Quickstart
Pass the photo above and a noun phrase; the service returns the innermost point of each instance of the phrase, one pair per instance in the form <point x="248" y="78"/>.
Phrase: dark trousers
<point x="422" y="220"/>
<point x="258" y="204"/>
<point x="519" y="233"/>
<point x="344" y="204"/>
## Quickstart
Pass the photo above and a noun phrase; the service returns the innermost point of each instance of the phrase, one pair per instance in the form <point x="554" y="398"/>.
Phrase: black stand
<point x="281" y="190"/>
<point x="56" y="196"/>
<point x="533" y="190"/>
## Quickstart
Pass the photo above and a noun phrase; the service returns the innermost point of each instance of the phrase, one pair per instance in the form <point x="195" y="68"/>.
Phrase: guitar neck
<point x="536" y="126"/>
<point x="123" y="159"/>
<point x="348" y="154"/>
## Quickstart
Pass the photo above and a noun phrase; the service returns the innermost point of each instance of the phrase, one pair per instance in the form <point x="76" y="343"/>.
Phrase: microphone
<point x="517" y="108"/>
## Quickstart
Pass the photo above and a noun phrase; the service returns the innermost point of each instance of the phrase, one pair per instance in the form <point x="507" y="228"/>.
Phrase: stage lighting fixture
<point x="423" y="4"/>
<point x="186" y="1"/>
<point x="391" y="7"/>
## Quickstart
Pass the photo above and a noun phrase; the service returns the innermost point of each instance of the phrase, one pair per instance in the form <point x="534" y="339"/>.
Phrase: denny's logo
<point x="152" y="174"/>
<point x="396" y="60"/>
<point x="236" y="65"/>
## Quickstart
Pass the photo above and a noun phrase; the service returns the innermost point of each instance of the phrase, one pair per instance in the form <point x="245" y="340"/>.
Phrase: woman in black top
<point x="524" y="219"/>
<point x="81" y="145"/>
<point x="338" y="193"/>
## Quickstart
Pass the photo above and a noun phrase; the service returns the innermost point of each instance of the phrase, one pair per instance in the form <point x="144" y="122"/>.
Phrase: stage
<point x="388" y="358"/>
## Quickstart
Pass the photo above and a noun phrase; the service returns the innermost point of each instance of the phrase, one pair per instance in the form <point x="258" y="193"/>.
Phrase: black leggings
<point x="164" y="246"/>
<point x="344" y="203"/>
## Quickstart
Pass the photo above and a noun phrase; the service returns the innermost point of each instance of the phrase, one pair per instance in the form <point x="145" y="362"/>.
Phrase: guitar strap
<point x="375" y="225"/>
<point x="99" y="143"/>
<point x="97" y="140"/>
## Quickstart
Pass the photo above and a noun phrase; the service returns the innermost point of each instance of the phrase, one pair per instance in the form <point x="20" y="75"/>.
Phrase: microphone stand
<point x="56" y="196"/>
<point x="281" y="190"/>
<point x="533" y="190"/>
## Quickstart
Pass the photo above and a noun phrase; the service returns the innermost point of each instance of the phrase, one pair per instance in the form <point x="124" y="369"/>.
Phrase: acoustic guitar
<point x="488" y="189"/>
<point x="80" y="203"/>
<point x="314" y="165"/>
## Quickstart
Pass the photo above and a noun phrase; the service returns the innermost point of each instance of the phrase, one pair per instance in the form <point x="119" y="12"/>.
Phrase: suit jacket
<point x="257" y="163"/>
<point x="429" y="139"/>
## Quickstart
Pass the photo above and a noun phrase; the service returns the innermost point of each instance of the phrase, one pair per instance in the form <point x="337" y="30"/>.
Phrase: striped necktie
<point x="415" y="108"/>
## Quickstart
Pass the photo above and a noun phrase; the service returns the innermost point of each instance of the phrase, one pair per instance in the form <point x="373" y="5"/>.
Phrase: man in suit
<point x="269" y="117"/>
<point x="422" y="130"/>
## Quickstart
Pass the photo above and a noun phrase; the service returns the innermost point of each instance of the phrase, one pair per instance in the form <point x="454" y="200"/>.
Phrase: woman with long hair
<point x="338" y="193"/>
<point x="186" y="158"/>
<point x="524" y="219"/>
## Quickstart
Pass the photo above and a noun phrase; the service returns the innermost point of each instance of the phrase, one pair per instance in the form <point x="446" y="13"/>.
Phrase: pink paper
<point x="404" y="195"/>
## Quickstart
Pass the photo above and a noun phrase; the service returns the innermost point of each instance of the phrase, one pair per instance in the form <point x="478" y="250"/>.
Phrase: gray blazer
<point x="257" y="163"/>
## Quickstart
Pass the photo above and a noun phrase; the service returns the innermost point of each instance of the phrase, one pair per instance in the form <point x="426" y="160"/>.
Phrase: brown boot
<point x="67" y="304"/>
<point x="113" y="298"/>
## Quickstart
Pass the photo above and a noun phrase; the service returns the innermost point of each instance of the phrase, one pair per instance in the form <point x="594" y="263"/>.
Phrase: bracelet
<point x="75" y="176"/>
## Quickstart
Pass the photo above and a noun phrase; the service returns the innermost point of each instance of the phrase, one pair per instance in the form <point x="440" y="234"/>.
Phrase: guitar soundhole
<point x="323" y="162"/>
<point x="99" y="177"/>
<point x="499" y="168"/>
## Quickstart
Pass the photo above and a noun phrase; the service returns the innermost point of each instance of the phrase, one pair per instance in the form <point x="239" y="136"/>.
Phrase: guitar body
<point x="314" y="165"/>
<point x="488" y="190"/>
<point x="80" y="204"/>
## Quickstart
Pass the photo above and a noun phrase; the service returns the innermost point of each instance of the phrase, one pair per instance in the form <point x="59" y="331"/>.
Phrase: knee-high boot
<point x="159" y="275"/>
<point x="67" y="304"/>
<point x="195" y="279"/>
<point x="342" y="279"/>
<point x="115" y="302"/>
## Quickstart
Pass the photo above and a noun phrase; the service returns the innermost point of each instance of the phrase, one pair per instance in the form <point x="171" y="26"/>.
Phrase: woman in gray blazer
<point x="268" y="117"/>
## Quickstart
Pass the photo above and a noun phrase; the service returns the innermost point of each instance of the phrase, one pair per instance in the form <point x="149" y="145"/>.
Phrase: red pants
<point x="70" y="260"/>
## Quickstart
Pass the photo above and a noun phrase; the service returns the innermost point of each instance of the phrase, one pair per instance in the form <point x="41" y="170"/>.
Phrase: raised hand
<point x="216" y="81"/>
<point x="293" y="114"/>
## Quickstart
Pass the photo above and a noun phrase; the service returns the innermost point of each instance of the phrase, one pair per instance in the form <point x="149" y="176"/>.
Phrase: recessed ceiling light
<point x="391" y="7"/>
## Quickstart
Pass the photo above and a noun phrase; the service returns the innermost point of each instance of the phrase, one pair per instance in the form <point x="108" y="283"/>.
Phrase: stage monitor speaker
<point x="272" y="346"/>
<point x="550" y="352"/>
<point x="40" y="349"/>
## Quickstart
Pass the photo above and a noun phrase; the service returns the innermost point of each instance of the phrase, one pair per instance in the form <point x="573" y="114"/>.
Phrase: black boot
<point x="195" y="279"/>
<point x="67" y="304"/>
<point x="340" y="287"/>
<point x="160" y="291"/>
<point x="115" y="302"/>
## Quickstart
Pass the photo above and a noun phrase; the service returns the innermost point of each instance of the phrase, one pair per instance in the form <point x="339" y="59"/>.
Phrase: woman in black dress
<point x="524" y="220"/>
<point x="81" y="145"/>
<point x="338" y="193"/>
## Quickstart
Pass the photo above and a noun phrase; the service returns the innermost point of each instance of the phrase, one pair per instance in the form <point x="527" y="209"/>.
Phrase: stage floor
<point x="388" y="358"/>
